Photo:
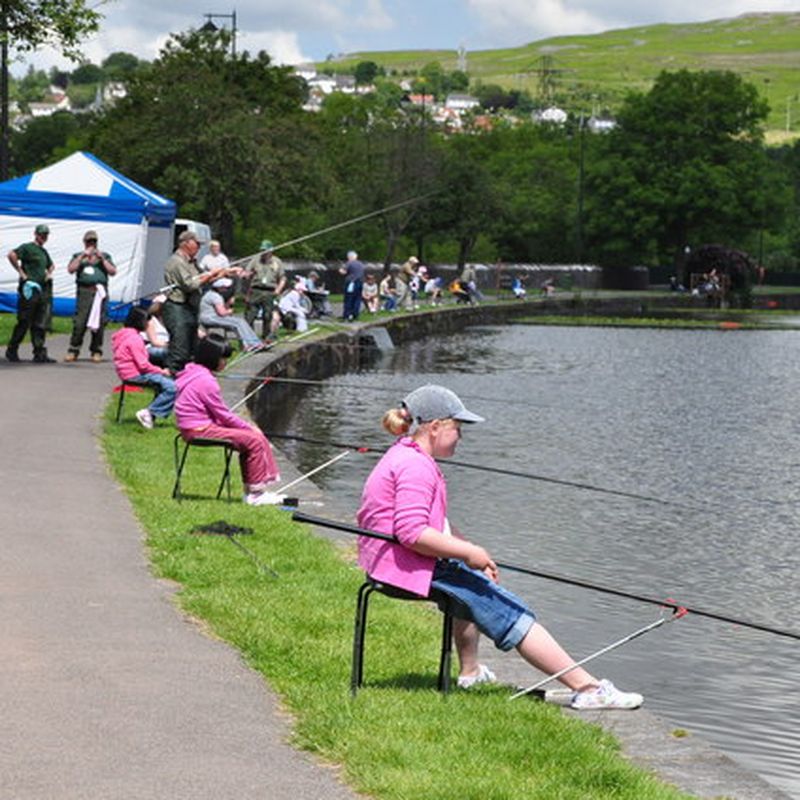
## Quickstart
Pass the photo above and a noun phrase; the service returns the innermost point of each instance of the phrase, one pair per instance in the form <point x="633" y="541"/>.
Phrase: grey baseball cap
<point x="437" y="402"/>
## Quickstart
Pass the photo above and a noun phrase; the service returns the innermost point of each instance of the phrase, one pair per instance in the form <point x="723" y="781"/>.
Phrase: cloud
<point x="374" y="17"/>
<point x="282" y="46"/>
<point x="514" y="21"/>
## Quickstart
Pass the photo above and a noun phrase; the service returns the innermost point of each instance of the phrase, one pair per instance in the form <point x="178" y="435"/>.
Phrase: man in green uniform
<point x="181" y="308"/>
<point x="91" y="268"/>
<point x="267" y="281"/>
<point x="35" y="268"/>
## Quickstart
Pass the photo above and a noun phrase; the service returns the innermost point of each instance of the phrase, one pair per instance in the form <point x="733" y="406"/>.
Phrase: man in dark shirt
<point x="353" y="273"/>
<point x="35" y="268"/>
<point x="91" y="268"/>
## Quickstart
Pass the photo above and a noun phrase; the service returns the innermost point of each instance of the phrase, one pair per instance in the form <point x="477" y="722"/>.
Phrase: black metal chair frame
<point x="122" y="393"/>
<point x="181" y="461"/>
<point x="360" y="631"/>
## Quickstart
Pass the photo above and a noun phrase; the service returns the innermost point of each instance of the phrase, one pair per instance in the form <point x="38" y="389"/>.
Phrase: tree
<point x="29" y="24"/>
<point x="466" y="202"/>
<point x="684" y="165"/>
<point x="120" y="66"/>
<point x="365" y="72"/>
<point x="34" y="145"/>
<point x="213" y="131"/>
<point x="87" y="73"/>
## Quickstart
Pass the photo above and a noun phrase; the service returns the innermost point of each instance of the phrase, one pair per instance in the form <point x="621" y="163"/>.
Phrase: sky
<point x="293" y="31"/>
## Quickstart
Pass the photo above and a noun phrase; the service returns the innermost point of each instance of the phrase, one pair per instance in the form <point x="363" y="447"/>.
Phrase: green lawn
<point x="7" y="322"/>
<point x="399" y="739"/>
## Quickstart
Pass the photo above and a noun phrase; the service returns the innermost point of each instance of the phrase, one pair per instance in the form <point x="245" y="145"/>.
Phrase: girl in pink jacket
<point x="133" y="366"/>
<point x="406" y="496"/>
<point x="201" y="412"/>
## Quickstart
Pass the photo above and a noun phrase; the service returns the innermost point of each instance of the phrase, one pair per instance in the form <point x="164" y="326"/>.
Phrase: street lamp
<point x="210" y="27"/>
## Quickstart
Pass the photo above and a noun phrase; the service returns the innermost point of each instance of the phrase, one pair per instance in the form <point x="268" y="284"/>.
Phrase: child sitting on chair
<point x="133" y="365"/>
<point x="201" y="413"/>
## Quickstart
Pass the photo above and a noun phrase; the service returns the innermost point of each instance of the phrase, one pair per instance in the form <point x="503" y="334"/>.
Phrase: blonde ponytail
<point x="397" y="421"/>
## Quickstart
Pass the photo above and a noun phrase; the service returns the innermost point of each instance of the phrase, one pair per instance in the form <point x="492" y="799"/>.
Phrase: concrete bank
<point x="685" y="761"/>
<point x="108" y="691"/>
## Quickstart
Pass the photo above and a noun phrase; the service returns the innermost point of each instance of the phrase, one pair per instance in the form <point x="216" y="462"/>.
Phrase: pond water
<point x="706" y="421"/>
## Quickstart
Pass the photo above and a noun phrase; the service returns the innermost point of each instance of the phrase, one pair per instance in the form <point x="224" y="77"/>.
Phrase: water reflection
<point x="703" y="419"/>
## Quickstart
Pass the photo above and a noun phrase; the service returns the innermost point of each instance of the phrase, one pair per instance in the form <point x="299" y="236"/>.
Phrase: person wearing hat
<point x="91" y="268"/>
<point x="405" y="496"/>
<point x="267" y="281"/>
<point x="185" y="280"/>
<point x="406" y="276"/>
<point x="35" y="268"/>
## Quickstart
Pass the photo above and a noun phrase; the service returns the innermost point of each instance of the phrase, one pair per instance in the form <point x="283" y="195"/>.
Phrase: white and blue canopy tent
<point x="72" y="196"/>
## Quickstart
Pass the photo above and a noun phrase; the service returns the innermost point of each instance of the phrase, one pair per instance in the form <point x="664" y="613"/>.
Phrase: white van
<point x="200" y="228"/>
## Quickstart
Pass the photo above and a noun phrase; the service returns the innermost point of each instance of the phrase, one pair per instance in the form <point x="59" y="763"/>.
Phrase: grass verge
<point x="9" y="320"/>
<point x="399" y="738"/>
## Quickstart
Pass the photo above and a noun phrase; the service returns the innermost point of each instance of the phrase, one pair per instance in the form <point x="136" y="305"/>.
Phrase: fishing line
<point x="346" y="527"/>
<point x="335" y="227"/>
<point x="494" y="470"/>
<point x="222" y="528"/>
<point x="382" y="389"/>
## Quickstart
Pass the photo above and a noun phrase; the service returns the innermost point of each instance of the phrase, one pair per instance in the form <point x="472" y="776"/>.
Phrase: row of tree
<point x="226" y="138"/>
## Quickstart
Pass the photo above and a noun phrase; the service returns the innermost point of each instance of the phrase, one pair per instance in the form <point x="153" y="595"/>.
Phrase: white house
<point x="553" y="115"/>
<point x="461" y="102"/>
<point x="306" y="71"/>
<point x="47" y="109"/>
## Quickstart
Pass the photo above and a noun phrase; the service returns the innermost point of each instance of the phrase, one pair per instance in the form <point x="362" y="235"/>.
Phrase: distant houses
<point x="56" y="100"/>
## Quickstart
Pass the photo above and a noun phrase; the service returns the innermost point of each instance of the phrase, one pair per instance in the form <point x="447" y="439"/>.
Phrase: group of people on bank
<point x="405" y="495"/>
<point x="402" y="287"/>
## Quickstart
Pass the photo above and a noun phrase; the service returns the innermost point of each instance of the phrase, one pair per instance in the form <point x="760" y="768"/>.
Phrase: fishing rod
<point x="495" y="470"/>
<point x="258" y="388"/>
<point x="607" y="649"/>
<point x="335" y="227"/>
<point x="668" y="603"/>
<point x="245" y="354"/>
<point x="162" y="290"/>
<point x="315" y="470"/>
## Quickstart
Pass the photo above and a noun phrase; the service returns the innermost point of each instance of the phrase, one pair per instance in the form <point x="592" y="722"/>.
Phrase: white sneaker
<point x="605" y="696"/>
<point x="145" y="418"/>
<point x="485" y="675"/>
<point x="264" y="499"/>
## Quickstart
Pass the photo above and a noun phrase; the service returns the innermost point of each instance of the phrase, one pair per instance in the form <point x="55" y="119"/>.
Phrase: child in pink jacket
<point x="133" y="366"/>
<point x="201" y="413"/>
<point x="406" y="496"/>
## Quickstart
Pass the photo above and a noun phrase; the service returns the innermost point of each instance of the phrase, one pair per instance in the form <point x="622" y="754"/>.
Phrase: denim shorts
<point x="470" y="595"/>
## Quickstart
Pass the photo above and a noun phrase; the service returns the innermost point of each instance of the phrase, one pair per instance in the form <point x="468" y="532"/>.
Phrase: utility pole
<point x="579" y="221"/>
<point x="4" y="124"/>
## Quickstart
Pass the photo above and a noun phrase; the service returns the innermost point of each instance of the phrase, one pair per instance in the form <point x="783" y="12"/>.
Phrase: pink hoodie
<point x="130" y="355"/>
<point x="404" y="494"/>
<point x="200" y="402"/>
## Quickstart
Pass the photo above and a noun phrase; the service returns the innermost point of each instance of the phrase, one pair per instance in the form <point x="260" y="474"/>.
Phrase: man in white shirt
<point x="214" y="259"/>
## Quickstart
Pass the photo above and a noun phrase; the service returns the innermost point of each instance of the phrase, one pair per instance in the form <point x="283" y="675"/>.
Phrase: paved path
<point x="107" y="690"/>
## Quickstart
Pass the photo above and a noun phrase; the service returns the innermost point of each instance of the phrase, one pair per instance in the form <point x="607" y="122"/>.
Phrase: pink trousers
<point x="255" y="453"/>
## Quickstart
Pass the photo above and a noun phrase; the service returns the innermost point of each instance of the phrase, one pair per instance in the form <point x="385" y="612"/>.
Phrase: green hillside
<point x="594" y="72"/>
